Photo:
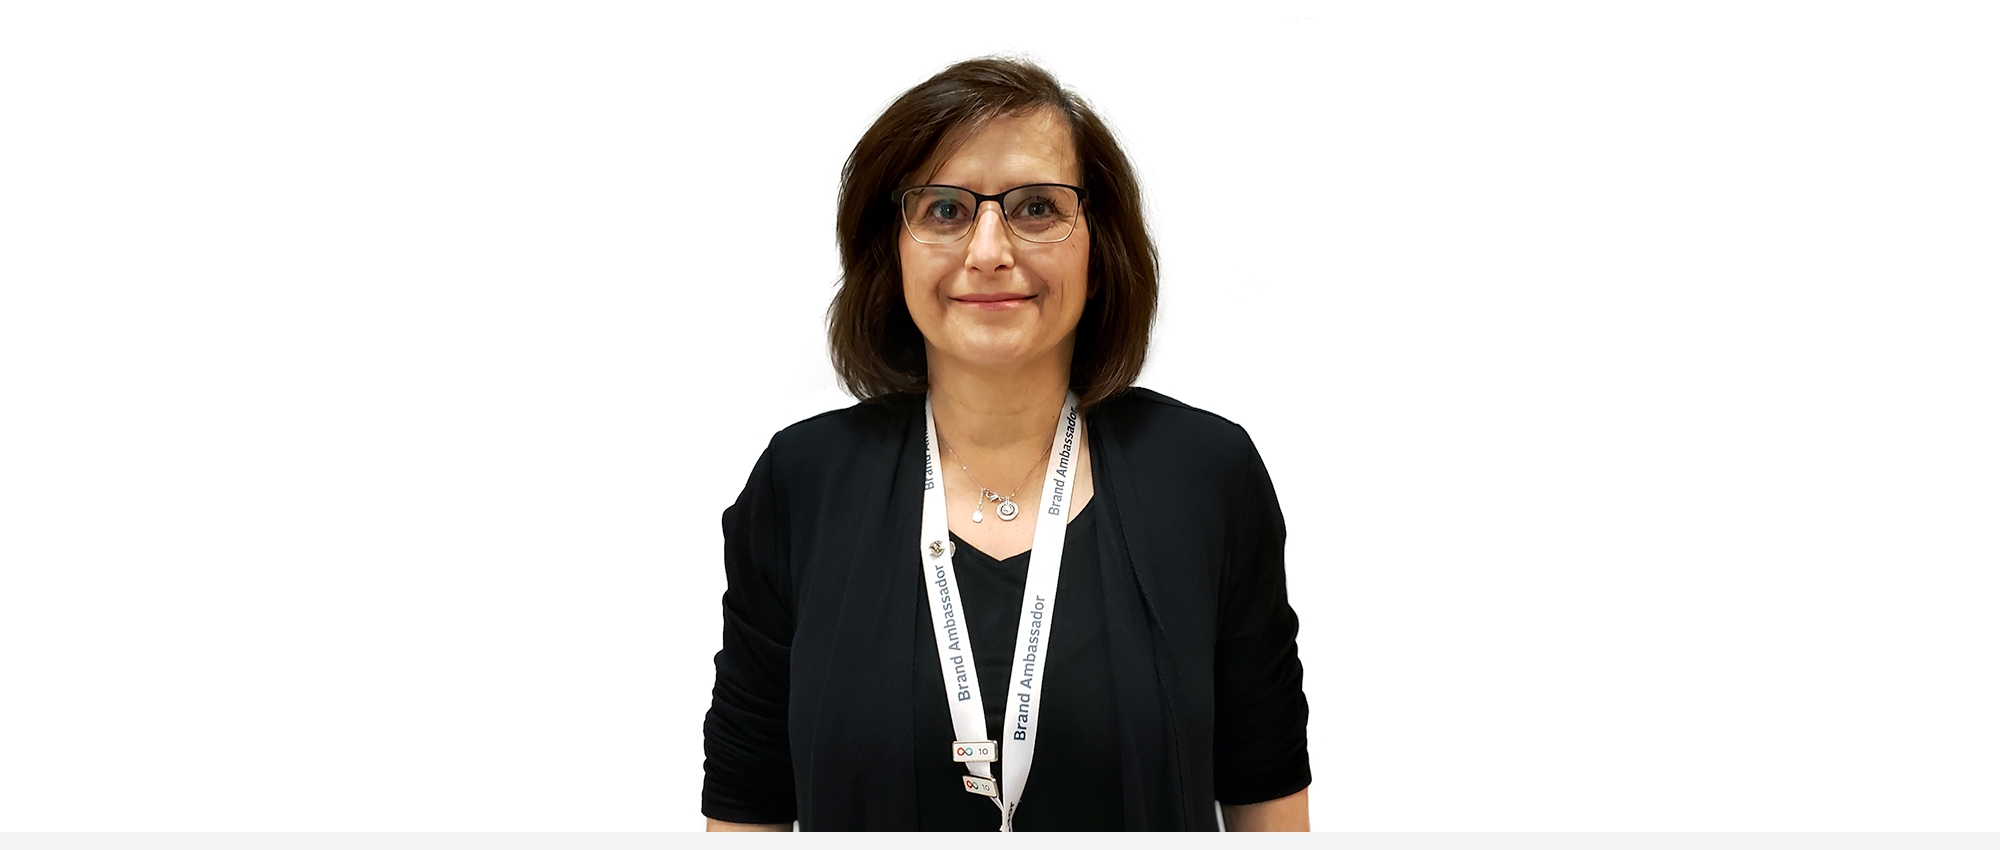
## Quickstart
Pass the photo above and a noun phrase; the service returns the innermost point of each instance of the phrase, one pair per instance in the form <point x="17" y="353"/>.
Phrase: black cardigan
<point x="812" y="711"/>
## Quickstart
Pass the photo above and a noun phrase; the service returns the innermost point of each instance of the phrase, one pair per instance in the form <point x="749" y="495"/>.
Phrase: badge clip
<point x="982" y="786"/>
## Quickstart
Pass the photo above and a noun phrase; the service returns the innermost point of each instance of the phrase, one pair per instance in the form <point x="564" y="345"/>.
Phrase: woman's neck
<point x="994" y="413"/>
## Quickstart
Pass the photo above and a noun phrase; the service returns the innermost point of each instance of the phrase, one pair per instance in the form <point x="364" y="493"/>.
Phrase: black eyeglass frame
<point x="979" y="200"/>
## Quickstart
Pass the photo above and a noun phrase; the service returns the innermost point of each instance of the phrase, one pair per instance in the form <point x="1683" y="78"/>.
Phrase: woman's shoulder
<point x="857" y="422"/>
<point x="1142" y="419"/>
<point x="831" y="441"/>
<point x="1142" y="403"/>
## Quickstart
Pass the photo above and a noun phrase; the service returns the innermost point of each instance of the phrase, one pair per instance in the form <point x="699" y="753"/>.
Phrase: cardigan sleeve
<point x="1260" y="704"/>
<point x="748" y="766"/>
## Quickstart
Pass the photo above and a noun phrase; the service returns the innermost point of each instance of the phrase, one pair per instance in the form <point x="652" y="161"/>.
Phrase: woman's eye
<point x="945" y="211"/>
<point x="1035" y="208"/>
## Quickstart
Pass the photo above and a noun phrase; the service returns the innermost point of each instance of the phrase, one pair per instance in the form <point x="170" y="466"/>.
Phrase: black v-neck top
<point x="1074" y="782"/>
<point x="1174" y="680"/>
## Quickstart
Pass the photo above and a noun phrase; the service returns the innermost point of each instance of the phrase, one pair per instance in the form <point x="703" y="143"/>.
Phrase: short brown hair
<point x="876" y="347"/>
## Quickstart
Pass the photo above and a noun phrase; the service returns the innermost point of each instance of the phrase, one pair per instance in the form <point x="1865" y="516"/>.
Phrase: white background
<point x="373" y="377"/>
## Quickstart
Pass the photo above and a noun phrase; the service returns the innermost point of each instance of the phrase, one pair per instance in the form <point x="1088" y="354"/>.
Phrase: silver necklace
<point x="1007" y="510"/>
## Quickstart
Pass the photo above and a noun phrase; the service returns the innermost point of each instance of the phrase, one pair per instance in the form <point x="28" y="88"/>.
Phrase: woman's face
<point x="950" y="288"/>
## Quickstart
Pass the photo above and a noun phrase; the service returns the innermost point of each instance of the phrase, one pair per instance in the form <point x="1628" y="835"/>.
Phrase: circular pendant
<point x="1008" y="510"/>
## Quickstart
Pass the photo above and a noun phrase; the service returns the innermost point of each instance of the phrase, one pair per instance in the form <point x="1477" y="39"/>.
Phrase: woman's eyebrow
<point x="999" y="188"/>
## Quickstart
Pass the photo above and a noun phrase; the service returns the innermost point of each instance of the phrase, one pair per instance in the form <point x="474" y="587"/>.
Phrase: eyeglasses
<point x="1037" y="212"/>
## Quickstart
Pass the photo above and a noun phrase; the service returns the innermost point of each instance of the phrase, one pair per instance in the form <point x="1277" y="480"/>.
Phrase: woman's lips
<point x="997" y="301"/>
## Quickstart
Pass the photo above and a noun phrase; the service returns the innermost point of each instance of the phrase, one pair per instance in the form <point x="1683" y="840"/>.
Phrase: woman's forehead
<point x="1005" y="151"/>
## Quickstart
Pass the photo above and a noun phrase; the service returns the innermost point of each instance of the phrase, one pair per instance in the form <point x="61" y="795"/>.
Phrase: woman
<point x="894" y="654"/>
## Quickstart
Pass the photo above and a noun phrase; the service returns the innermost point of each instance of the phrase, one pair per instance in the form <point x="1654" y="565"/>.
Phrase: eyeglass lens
<point x="1038" y="213"/>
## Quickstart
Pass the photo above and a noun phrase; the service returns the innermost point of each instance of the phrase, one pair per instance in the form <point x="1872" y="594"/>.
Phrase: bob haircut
<point x="876" y="347"/>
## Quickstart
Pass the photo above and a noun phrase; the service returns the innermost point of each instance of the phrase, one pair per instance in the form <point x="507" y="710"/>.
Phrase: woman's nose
<point x="992" y="243"/>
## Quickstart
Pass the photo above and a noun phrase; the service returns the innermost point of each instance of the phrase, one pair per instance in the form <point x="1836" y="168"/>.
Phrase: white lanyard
<point x="1031" y="637"/>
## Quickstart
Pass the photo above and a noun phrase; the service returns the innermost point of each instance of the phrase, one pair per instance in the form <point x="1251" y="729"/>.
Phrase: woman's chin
<point x="996" y="358"/>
